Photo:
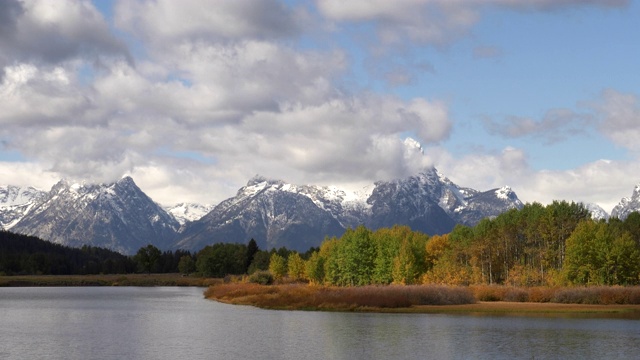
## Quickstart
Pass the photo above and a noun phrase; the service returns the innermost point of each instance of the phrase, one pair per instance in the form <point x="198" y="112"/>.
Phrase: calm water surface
<point x="178" y="323"/>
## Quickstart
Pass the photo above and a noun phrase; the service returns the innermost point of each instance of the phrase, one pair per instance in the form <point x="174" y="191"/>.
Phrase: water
<point x="178" y="323"/>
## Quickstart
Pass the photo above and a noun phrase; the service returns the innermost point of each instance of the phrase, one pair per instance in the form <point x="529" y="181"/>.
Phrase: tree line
<point x="29" y="255"/>
<point x="557" y="244"/>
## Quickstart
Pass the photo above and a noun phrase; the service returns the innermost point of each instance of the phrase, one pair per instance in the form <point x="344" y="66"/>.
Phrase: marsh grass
<point x="301" y="296"/>
<point x="594" y="295"/>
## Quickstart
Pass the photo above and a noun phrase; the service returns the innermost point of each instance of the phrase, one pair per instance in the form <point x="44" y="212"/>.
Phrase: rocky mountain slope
<point x="116" y="216"/>
<point x="16" y="202"/>
<point x="121" y="217"/>
<point x="627" y="205"/>
<point x="267" y="211"/>
<point x="276" y="213"/>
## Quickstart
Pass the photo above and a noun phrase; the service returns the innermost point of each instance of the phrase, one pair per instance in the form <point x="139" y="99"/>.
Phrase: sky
<point x="194" y="98"/>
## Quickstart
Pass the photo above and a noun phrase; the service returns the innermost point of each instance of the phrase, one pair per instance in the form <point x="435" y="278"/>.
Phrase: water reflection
<point x="169" y="323"/>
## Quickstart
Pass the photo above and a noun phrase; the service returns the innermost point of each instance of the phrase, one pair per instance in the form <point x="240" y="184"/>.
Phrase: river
<point x="178" y="323"/>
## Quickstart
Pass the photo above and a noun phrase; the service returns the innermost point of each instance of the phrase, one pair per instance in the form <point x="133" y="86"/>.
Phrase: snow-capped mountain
<point x="15" y="202"/>
<point x="188" y="212"/>
<point x="597" y="212"/>
<point x="276" y="213"/>
<point x="118" y="216"/>
<point x="269" y="211"/>
<point x="462" y="205"/>
<point x="121" y="217"/>
<point x="627" y="205"/>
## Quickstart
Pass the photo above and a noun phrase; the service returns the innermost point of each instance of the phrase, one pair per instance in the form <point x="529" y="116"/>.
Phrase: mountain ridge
<point x="121" y="217"/>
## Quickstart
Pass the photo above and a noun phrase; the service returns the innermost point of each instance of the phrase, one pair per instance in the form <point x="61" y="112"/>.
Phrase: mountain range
<point x="121" y="217"/>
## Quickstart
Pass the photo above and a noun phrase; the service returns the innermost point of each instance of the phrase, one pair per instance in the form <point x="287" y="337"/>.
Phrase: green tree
<point x="296" y="266"/>
<point x="314" y="268"/>
<point x="186" y="265"/>
<point x="147" y="257"/>
<point x="387" y="243"/>
<point x="354" y="258"/>
<point x="277" y="266"/>
<point x="410" y="263"/>
<point x="260" y="262"/>
<point x="220" y="259"/>
<point x="252" y="250"/>
<point x="599" y="255"/>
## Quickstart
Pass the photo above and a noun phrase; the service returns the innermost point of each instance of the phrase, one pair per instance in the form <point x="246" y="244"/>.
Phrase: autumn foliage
<point x="554" y="245"/>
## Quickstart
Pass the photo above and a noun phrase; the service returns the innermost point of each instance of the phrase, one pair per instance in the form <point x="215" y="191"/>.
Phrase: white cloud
<point x="620" y="118"/>
<point x="192" y="20"/>
<point x="220" y="93"/>
<point x="27" y="174"/>
<point x="51" y="32"/>
<point x="603" y="182"/>
<point x="30" y="96"/>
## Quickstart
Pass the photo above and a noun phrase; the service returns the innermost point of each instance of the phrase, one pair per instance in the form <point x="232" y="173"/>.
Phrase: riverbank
<point x="535" y="309"/>
<point x="417" y="299"/>
<point x="107" y="280"/>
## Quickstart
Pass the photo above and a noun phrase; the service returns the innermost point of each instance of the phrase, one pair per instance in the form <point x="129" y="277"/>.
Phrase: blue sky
<point x="193" y="98"/>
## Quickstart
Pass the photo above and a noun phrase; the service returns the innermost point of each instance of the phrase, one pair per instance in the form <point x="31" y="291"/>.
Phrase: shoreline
<point x="295" y="297"/>
<point x="317" y="298"/>
<point x="535" y="309"/>
<point x="106" y="280"/>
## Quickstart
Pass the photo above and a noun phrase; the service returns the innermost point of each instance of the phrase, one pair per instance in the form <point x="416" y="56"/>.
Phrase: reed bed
<point x="593" y="295"/>
<point x="300" y="296"/>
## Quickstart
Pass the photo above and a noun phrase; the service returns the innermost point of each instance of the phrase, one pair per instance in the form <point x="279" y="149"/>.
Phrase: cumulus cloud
<point x="220" y="93"/>
<point x="32" y="96"/>
<point x="188" y="20"/>
<point x="33" y="174"/>
<point x="619" y="115"/>
<point x="51" y="32"/>
<point x="603" y="182"/>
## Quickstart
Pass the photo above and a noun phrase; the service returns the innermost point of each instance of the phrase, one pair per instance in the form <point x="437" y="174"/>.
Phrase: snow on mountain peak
<point x="188" y="212"/>
<point x="15" y="202"/>
<point x="597" y="212"/>
<point x="504" y="193"/>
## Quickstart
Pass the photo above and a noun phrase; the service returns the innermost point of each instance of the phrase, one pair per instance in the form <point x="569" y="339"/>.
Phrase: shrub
<point x="488" y="292"/>
<point x="516" y="295"/>
<point x="261" y="277"/>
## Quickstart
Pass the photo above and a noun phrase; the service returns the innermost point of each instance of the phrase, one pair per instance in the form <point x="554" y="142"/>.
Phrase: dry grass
<point x="545" y="309"/>
<point x="300" y="296"/>
<point x="433" y="299"/>
<point x="595" y="295"/>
